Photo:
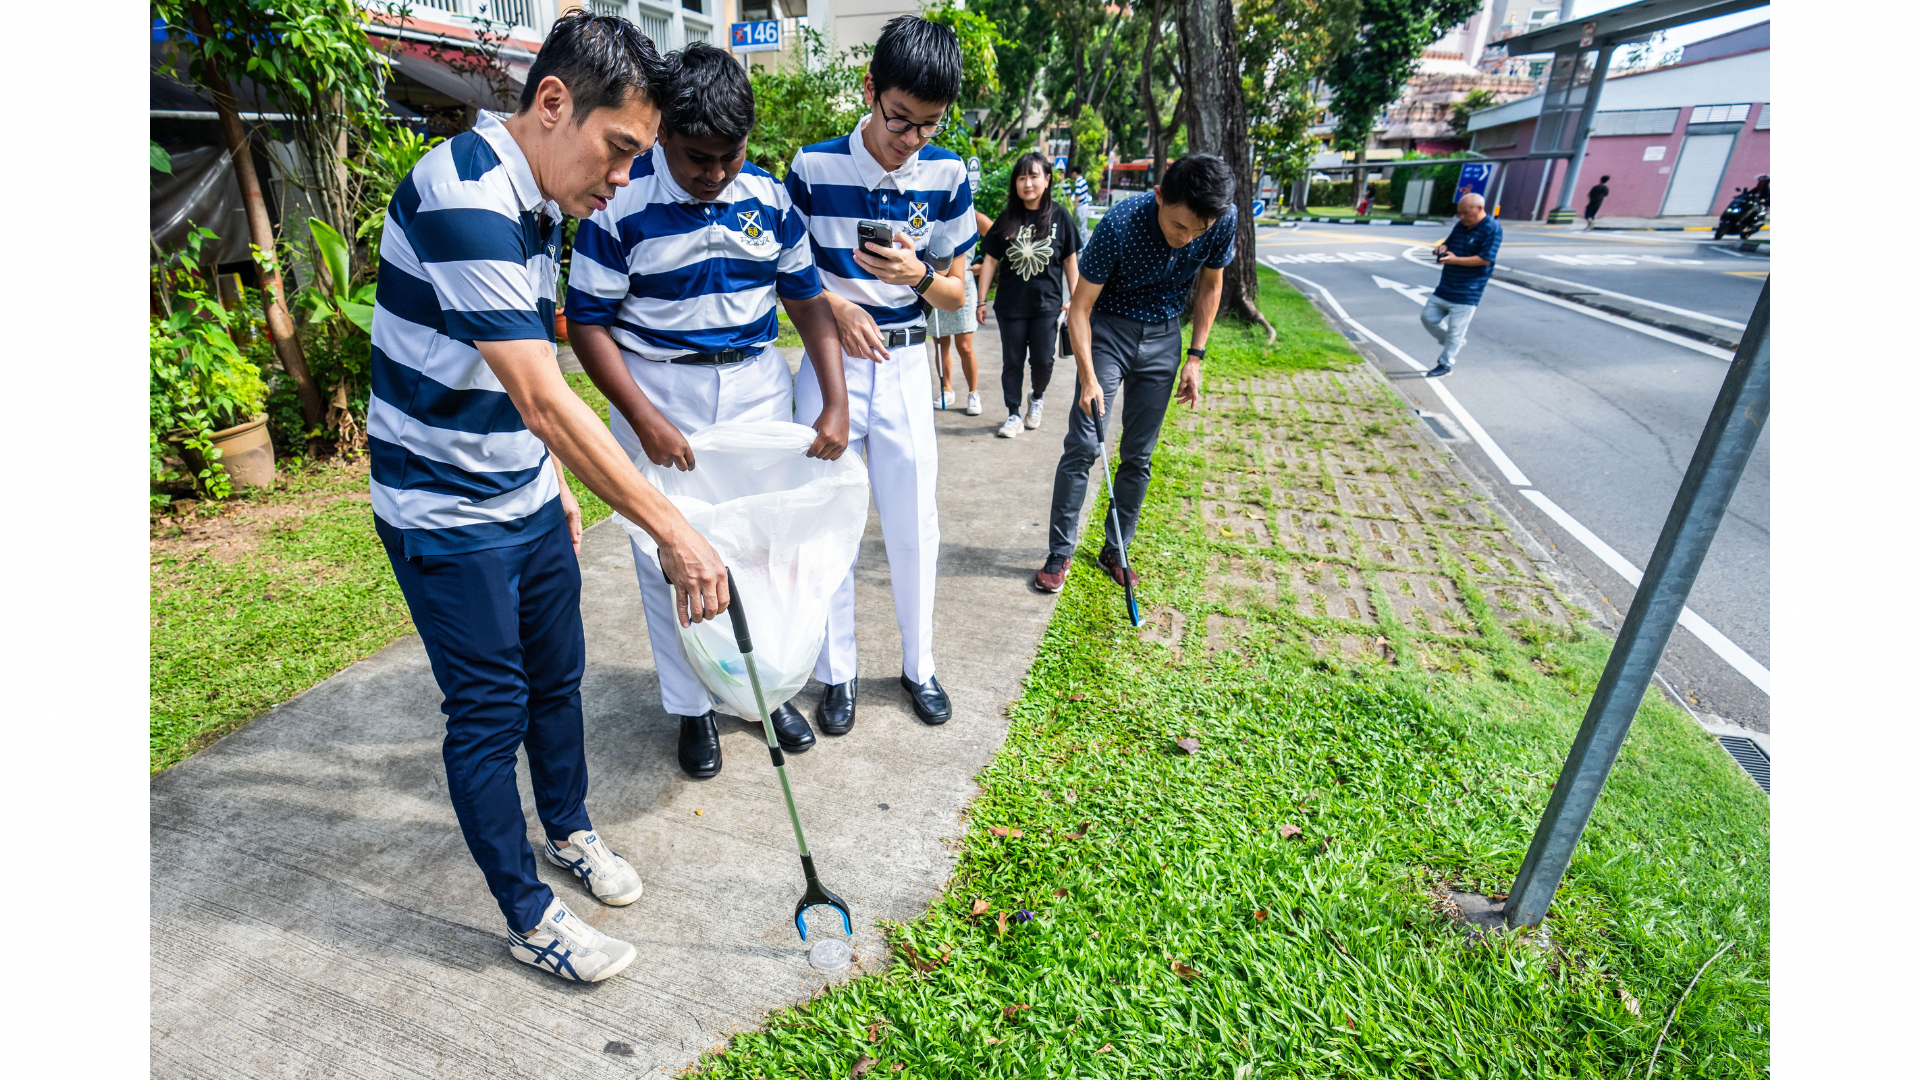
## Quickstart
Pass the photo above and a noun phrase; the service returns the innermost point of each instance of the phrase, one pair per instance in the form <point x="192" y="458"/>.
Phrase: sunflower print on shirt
<point x="1029" y="258"/>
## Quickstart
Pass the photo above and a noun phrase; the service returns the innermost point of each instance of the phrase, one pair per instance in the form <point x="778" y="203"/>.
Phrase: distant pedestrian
<point x="1466" y="256"/>
<point x="953" y="331"/>
<point x="1125" y="325"/>
<point x="1040" y="250"/>
<point x="1082" y="203"/>
<point x="1596" y="195"/>
<point x="1366" y="205"/>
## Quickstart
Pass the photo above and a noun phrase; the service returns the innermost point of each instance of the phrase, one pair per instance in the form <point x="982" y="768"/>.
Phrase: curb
<point x="1674" y="322"/>
<point x="1368" y="220"/>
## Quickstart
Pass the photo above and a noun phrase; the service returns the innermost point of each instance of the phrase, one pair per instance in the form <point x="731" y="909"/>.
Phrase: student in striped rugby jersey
<point x="468" y="425"/>
<point x="888" y="171"/>
<point x="671" y="306"/>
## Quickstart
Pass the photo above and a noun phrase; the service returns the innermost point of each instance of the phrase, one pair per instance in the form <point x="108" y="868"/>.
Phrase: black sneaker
<point x="1440" y="371"/>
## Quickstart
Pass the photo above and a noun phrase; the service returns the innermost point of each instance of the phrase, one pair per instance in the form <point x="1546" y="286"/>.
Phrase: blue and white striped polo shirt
<point x="467" y="255"/>
<point x="836" y="183"/>
<point x="672" y="275"/>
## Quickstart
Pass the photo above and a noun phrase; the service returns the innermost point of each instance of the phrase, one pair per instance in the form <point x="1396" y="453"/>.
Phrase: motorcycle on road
<point x="1744" y="215"/>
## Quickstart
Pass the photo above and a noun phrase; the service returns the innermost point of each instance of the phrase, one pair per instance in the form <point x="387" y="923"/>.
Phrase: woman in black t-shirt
<point x="1036" y="241"/>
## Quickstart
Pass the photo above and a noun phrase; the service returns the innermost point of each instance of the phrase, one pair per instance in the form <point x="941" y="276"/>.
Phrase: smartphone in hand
<point x="878" y="233"/>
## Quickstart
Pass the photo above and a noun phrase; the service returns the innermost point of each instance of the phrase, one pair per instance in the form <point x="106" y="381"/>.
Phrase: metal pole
<point x="1563" y="208"/>
<point x="1733" y="427"/>
<point x="1499" y="185"/>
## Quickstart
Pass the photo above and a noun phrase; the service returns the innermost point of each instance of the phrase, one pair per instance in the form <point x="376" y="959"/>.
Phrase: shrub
<point x="198" y="383"/>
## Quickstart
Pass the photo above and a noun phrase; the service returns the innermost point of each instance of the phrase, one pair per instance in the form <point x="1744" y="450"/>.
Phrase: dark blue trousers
<point x="502" y="628"/>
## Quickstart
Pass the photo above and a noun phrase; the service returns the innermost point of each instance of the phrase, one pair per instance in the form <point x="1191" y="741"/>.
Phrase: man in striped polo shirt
<point x="477" y="522"/>
<point x="886" y="171"/>
<point x="671" y="306"/>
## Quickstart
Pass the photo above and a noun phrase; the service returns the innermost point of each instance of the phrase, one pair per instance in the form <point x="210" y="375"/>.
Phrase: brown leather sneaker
<point x="1050" y="578"/>
<point x="1110" y="562"/>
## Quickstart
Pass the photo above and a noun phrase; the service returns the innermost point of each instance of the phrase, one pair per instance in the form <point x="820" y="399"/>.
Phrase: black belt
<point x="912" y="335"/>
<point x="717" y="359"/>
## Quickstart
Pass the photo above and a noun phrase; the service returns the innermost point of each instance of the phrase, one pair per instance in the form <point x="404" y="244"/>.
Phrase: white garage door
<point x="1695" y="179"/>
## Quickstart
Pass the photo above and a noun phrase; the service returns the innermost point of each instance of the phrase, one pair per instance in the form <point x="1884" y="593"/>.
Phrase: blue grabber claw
<point x="816" y="896"/>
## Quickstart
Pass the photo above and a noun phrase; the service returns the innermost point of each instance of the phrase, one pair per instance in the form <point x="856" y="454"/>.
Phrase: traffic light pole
<point x="1733" y="427"/>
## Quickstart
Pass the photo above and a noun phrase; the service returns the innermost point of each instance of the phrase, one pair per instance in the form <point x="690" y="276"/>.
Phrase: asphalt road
<point x="1598" y="417"/>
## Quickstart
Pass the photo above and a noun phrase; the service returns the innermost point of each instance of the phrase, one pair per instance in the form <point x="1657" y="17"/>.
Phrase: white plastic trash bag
<point x="788" y="526"/>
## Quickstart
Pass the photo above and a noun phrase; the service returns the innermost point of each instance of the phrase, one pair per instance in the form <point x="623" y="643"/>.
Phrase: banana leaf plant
<point x="355" y="304"/>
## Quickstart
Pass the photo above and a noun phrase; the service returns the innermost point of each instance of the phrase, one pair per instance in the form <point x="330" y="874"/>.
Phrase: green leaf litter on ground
<point x="1272" y="902"/>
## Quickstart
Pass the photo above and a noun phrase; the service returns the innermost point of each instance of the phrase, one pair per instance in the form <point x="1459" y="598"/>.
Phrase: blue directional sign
<point x="1060" y="164"/>
<point x="763" y="36"/>
<point x="1473" y="179"/>
<point x="1259" y="207"/>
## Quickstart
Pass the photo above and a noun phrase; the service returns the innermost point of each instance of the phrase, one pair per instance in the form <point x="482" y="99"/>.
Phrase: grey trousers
<point x="1454" y="334"/>
<point x="1145" y="358"/>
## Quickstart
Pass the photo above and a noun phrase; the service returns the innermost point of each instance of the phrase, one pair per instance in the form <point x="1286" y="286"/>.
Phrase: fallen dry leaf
<point x="1003" y="924"/>
<point x="1084" y="826"/>
<point x="1105" y="1049"/>
<point x="920" y="964"/>
<point x="1351" y="1026"/>
<point x="1260" y="916"/>
<point x="979" y="906"/>
<point x="861" y="1067"/>
<point x="998" y="830"/>
<point x="1381" y="641"/>
<point x="1632" y="1003"/>
<point x="1336" y="943"/>
<point x="1013" y="1010"/>
<point x="1184" y="971"/>
<point x="1288" y="832"/>
<point x="991" y="1041"/>
<point x="1015" y="834"/>
<point x="898" y="1065"/>
<point x="1189" y="746"/>
<point x="873" y="1031"/>
<point x="1076" y="697"/>
<point x="1059" y="892"/>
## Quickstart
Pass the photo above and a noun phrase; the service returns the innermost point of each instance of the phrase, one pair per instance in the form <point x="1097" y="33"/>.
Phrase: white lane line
<point x="1594" y="313"/>
<point x="1723" y="647"/>
<point x="1716" y="320"/>
<point x="1498" y="456"/>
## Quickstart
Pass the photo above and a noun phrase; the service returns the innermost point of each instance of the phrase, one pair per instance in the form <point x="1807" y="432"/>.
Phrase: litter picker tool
<point x="939" y="256"/>
<point x="816" y="894"/>
<point x="1113" y="520"/>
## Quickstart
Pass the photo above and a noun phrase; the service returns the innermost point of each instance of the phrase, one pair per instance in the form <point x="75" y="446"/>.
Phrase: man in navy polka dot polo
<point x="1124" y="323"/>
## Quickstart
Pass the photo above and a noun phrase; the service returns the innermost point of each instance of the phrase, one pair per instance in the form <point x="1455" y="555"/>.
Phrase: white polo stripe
<point x="473" y="451"/>
<point x="432" y="510"/>
<point x="698" y="312"/>
<point x="440" y="358"/>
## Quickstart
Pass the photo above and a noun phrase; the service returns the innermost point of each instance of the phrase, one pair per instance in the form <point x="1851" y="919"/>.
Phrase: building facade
<point x="1678" y="141"/>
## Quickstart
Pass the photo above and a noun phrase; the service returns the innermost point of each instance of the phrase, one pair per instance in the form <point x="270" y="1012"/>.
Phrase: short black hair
<point x="919" y="57"/>
<point x="707" y="95"/>
<point x="1200" y="182"/>
<point x="1604" y="179"/>
<point x="600" y="59"/>
<point x="1074" y="170"/>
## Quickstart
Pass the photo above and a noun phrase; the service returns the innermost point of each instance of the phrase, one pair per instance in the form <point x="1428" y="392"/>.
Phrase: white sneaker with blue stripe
<point x="610" y="878"/>
<point x="566" y="946"/>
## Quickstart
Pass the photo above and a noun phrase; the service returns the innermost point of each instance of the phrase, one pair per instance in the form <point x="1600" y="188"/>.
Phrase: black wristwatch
<point x="1197" y="353"/>
<point x="925" y="283"/>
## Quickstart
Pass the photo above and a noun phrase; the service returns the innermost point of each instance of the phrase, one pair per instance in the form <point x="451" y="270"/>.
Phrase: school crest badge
<point x="917" y="222"/>
<point x="752" y="233"/>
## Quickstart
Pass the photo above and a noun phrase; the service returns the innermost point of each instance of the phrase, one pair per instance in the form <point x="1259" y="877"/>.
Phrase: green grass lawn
<point x="277" y="592"/>
<point x="1268" y="902"/>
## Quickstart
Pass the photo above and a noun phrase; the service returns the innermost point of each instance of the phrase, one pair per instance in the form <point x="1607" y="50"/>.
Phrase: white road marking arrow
<point x="1412" y="292"/>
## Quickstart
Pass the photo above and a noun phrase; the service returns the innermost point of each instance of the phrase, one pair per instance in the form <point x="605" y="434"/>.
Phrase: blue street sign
<point x="1060" y="164"/>
<point x="763" y="36"/>
<point x="1473" y="179"/>
<point x="1259" y="207"/>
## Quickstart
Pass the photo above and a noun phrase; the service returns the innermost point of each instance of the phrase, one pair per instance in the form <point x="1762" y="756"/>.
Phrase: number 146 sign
<point x="761" y="36"/>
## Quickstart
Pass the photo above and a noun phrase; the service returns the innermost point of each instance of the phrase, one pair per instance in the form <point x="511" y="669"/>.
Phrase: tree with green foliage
<point x="1375" y="54"/>
<point x="311" y="60"/>
<point x="1020" y="57"/>
<point x="1286" y="44"/>
<point x="1090" y="142"/>
<point x="1477" y="99"/>
<point x="802" y="104"/>
<point x="979" y="61"/>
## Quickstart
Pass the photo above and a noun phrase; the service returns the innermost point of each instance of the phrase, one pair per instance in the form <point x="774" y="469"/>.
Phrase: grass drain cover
<point x="1751" y="758"/>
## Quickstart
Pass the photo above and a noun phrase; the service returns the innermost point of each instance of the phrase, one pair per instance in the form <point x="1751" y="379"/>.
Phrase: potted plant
<point x="206" y="398"/>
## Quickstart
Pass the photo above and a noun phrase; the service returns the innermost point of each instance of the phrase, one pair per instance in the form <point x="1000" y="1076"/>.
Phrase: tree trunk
<point x="286" y="340"/>
<point x="1217" y="119"/>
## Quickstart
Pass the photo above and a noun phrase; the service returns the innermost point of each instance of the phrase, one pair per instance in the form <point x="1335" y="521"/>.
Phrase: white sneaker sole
<point x="1005" y="433"/>
<point x="617" y="966"/>
<point x="1031" y="425"/>
<point x="611" y="901"/>
<point x="606" y="973"/>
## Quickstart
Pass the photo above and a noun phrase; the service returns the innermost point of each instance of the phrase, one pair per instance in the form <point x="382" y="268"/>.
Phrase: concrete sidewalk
<point x="315" y="912"/>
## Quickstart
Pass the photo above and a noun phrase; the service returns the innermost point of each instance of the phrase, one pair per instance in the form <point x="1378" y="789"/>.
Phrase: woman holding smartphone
<point x="1036" y="241"/>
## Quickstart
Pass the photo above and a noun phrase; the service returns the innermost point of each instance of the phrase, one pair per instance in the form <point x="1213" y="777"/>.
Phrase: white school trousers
<point x="890" y="424"/>
<point x="693" y="397"/>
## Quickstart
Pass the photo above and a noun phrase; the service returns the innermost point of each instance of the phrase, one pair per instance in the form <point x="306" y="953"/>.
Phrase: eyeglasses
<point x="900" y="125"/>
